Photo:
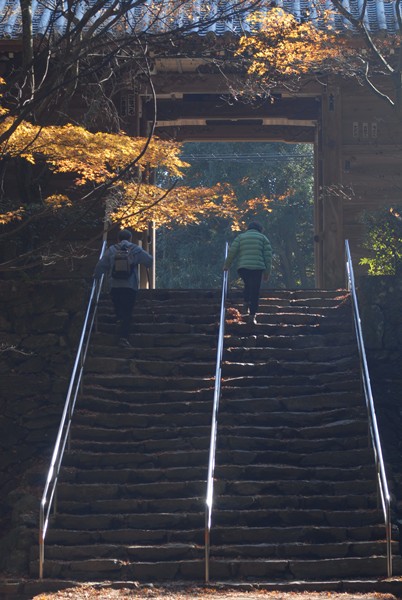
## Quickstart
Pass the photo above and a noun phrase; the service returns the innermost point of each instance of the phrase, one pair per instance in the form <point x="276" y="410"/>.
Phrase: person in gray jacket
<point x="123" y="290"/>
<point x="253" y="254"/>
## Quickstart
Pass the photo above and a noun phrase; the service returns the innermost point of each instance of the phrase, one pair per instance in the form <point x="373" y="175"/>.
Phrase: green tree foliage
<point x="280" y="174"/>
<point x="384" y="241"/>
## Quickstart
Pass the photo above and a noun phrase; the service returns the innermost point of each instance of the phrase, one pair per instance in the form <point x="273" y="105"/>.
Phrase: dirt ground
<point x="88" y="592"/>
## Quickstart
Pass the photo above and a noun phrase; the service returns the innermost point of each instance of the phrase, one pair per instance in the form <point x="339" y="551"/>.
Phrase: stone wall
<point x="40" y="323"/>
<point x="380" y="301"/>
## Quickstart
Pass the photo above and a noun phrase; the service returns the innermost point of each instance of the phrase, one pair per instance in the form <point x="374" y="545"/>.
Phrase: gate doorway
<point x="272" y="183"/>
<point x="196" y="107"/>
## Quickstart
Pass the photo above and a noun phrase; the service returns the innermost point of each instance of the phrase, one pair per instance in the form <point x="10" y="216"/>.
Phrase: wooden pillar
<point x="332" y="238"/>
<point x="147" y="279"/>
<point x="318" y="211"/>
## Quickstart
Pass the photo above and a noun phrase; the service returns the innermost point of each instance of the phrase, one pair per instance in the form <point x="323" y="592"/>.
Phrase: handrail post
<point x="215" y="409"/>
<point x="382" y="484"/>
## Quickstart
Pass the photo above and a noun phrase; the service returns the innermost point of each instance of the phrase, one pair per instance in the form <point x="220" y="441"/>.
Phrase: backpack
<point x="122" y="263"/>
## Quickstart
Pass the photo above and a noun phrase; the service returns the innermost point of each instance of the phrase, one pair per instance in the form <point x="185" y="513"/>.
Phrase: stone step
<point x="269" y="326"/>
<point x="135" y="552"/>
<point x="193" y="436"/>
<point x="284" y="340"/>
<point x="187" y="457"/>
<point x="182" y="328"/>
<point x="173" y="521"/>
<point x="228" y="418"/>
<point x="342" y="399"/>
<point x="313" y="305"/>
<point x="153" y="404"/>
<point x="138" y="460"/>
<point x="286" y="518"/>
<point x="175" y="316"/>
<point x="129" y="504"/>
<point x="178" y="551"/>
<point x="126" y="535"/>
<point x="221" y="535"/>
<point x="288" y="385"/>
<point x="220" y="570"/>
<point x="154" y="491"/>
<point x="303" y="550"/>
<point x="294" y="399"/>
<point x="297" y="534"/>
<point x="291" y="419"/>
<point x="127" y="395"/>
<point x="316" y="354"/>
<point x="199" y="315"/>
<point x="158" y="368"/>
<point x="138" y="421"/>
<point x="231" y="353"/>
<point x="296" y="518"/>
<point x="154" y="339"/>
<point x="307" y="384"/>
<point x="310" y="326"/>
<point x="272" y="305"/>
<point x="305" y="367"/>
<point x="170" y="353"/>
<point x="105" y="344"/>
<point x="165" y="365"/>
<point x="353" y="458"/>
<point x="261" y="472"/>
<point x="135" y="381"/>
<point x="307" y="491"/>
<point x="84" y="443"/>
<point x="198" y="295"/>
<point x="317" y="500"/>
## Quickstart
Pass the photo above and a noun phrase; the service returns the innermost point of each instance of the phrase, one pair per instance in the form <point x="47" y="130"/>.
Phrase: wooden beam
<point x="215" y="107"/>
<point x="238" y="133"/>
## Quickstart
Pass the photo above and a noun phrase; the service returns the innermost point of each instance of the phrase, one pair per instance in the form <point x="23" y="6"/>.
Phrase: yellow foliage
<point x="58" y="201"/>
<point x="12" y="215"/>
<point x="280" y="43"/>
<point x="94" y="157"/>
<point x="135" y="205"/>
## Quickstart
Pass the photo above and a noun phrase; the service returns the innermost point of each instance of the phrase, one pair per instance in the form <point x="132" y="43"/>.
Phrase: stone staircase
<point x="295" y="489"/>
<point x="296" y="493"/>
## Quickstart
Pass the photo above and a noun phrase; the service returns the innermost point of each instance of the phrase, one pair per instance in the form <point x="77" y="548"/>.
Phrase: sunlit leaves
<point x="93" y="157"/>
<point x="11" y="215"/>
<point x="384" y="242"/>
<point x="135" y="205"/>
<point x="280" y="44"/>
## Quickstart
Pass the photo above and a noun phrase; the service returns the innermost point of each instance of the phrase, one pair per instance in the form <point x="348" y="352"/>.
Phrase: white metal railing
<point x="49" y="493"/>
<point x="214" y="422"/>
<point x="373" y="426"/>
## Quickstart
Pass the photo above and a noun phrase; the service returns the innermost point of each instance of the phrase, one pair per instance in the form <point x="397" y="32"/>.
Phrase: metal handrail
<point x="214" y="422"/>
<point x="49" y="493"/>
<point x="373" y="426"/>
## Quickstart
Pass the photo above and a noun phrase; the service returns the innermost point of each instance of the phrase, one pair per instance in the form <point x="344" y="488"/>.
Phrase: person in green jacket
<point x="253" y="252"/>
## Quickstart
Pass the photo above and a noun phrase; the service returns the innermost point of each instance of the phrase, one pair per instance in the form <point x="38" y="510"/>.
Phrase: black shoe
<point x="246" y="308"/>
<point x="124" y="343"/>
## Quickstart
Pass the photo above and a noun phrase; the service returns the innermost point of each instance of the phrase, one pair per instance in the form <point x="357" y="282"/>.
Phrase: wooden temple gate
<point x="356" y="138"/>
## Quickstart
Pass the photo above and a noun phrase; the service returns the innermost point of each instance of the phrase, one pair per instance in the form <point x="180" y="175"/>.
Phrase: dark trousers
<point x="123" y="301"/>
<point x="252" y="284"/>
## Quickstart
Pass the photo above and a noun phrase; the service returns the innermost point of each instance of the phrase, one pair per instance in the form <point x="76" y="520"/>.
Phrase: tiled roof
<point x="47" y="15"/>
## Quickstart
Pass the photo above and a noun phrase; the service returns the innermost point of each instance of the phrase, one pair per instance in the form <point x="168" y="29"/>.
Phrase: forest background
<point x="272" y="183"/>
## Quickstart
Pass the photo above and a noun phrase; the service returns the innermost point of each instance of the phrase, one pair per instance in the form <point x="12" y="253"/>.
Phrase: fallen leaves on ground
<point x="89" y="592"/>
